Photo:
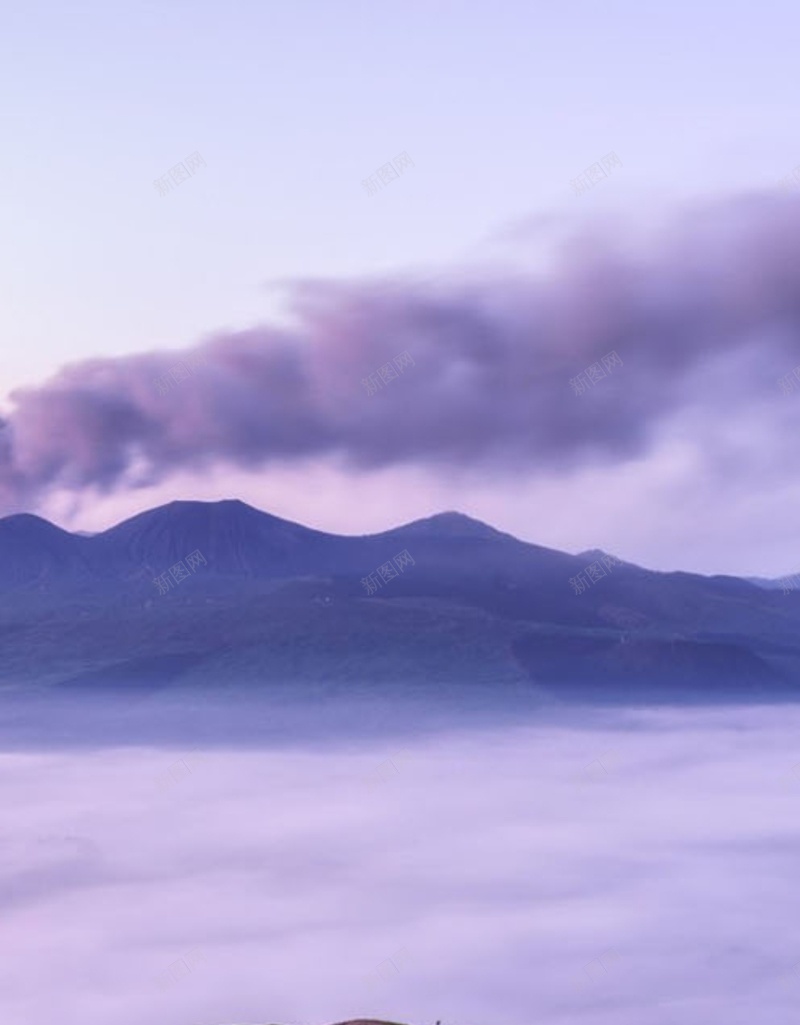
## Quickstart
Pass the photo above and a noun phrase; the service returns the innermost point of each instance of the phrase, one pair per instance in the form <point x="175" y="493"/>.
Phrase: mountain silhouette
<point x="254" y="596"/>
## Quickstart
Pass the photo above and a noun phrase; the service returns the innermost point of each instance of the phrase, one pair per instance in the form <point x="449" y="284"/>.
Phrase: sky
<point x="274" y="257"/>
<point x="635" y="868"/>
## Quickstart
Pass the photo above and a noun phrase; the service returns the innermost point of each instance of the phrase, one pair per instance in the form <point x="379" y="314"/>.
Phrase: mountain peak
<point x="28" y="523"/>
<point x="233" y="537"/>
<point x="452" y="524"/>
<point x="591" y="553"/>
<point x="186" y="514"/>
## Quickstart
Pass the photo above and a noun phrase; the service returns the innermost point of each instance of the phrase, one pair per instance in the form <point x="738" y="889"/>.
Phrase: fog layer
<point x="636" y="870"/>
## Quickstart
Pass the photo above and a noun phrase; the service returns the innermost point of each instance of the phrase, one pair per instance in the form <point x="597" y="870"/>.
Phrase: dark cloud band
<point x="394" y="372"/>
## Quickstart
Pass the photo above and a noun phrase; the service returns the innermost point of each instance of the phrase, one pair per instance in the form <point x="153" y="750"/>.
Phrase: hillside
<point x="264" y="601"/>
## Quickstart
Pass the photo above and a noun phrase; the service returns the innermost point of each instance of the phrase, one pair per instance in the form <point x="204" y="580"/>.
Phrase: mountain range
<point x="192" y="593"/>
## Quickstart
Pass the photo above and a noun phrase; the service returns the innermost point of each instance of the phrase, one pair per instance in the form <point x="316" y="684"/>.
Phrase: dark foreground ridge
<point x="367" y="1021"/>
<point x="193" y="593"/>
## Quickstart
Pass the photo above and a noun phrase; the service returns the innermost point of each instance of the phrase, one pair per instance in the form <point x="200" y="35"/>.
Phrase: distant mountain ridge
<point x="791" y="580"/>
<point x="442" y="597"/>
<point x="235" y="538"/>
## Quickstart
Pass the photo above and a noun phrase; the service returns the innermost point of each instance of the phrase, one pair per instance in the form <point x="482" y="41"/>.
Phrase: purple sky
<point x="479" y="261"/>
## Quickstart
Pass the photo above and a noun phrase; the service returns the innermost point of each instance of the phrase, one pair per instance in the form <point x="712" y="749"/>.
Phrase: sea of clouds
<point x="623" y="868"/>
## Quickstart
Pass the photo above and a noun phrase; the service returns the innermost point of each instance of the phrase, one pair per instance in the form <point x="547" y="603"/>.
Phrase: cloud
<point x="492" y="361"/>
<point x="629" y="868"/>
